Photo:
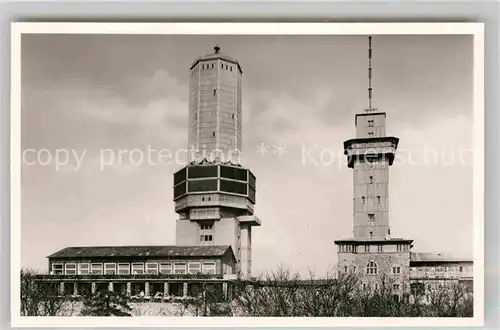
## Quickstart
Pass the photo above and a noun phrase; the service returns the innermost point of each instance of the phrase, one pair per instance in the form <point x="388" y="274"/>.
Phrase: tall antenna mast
<point x="370" y="89"/>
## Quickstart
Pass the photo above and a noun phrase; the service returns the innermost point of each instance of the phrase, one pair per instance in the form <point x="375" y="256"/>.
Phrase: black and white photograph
<point x="267" y="174"/>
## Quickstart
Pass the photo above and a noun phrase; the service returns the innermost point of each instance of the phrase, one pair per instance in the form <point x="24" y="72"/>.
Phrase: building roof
<point x="362" y="240"/>
<point x="436" y="257"/>
<point x="142" y="251"/>
<point x="215" y="56"/>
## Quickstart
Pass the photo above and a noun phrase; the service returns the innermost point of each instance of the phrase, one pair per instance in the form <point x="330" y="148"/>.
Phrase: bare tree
<point x="39" y="297"/>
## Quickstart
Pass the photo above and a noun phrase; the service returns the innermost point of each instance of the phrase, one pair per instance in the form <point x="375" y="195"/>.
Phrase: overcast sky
<point x="87" y="93"/>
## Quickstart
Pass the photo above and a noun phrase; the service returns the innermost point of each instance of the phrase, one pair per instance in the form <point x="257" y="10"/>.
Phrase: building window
<point x="370" y="123"/>
<point x="165" y="267"/>
<point x="70" y="269"/>
<point x="232" y="116"/>
<point x="138" y="268"/>
<point x="371" y="179"/>
<point x="222" y="66"/>
<point x="205" y="238"/>
<point x="203" y="66"/>
<point x="354" y="269"/>
<point x="345" y="269"/>
<point x="378" y="199"/>
<point x="371" y="234"/>
<point x="226" y="66"/>
<point x="194" y="267"/>
<point x="208" y="268"/>
<point x="212" y="65"/>
<point x="395" y="286"/>
<point x="376" y="286"/>
<point x="124" y="269"/>
<point x="379" y="248"/>
<point x="363" y="199"/>
<point x="461" y="269"/>
<point x="110" y="268"/>
<point x="180" y="268"/>
<point x="371" y="216"/>
<point x="151" y="268"/>
<point x="96" y="269"/>
<point x="370" y="133"/>
<point x="215" y="92"/>
<point x="206" y="226"/>
<point x="57" y="269"/>
<point x="371" y="268"/>
<point x="364" y="286"/>
<point x="83" y="269"/>
<point x="396" y="269"/>
<point x="231" y="68"/>
<point x="213" y="134"/>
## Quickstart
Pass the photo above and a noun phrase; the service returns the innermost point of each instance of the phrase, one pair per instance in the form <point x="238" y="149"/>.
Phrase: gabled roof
<point x="143" y="251"/>
<point x="436" y="257"/>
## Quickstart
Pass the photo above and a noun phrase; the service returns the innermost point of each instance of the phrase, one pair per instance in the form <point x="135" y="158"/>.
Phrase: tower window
<point x="363" y="199"/>
<point x="371" y="217"/>
<point x="378" y="199"/>
<point x="203" y="66"/>
<point x="226" y="66"/>
<point x="206" y="238"/>
<point x="370" y="123"/>
<point x="231" y="68"/>
<point x="213" y="134"/>
<point x="370" y="133"/>
<point x="222" y="66"/>
<point x="371" y="268"/>
<point x="232" y="116"/>
<point x="212" y="65"/>
<point x="396" y="269"/>
<point x="379" y="248"/>
<point x="371" y="234"/>
<point x="371" y="179"/>
<point x="215" y="91"/>
<point x="345" y="269"/>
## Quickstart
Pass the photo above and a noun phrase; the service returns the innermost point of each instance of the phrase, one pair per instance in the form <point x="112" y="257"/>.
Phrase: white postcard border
<point x="17" y="29"/>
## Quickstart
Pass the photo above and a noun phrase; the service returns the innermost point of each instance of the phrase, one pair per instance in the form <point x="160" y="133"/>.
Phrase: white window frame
<point x="373" y="268"/>
<point x="192" y="269"/>
<point x="113" y="268"/>
<point x="120" y="269"/>
<point x="393" y="269"/>
<point x="80" y="268"/>
<point x="154" y="269"/>
<point x="99" y="265"/>
<point x="176" y="264"/>
<point x="208" y="266"/>
<point x="134" y="268"/>
<point x="164" y="269"/>
<point x="58" y="264"/>
<point x="74" y="269"/>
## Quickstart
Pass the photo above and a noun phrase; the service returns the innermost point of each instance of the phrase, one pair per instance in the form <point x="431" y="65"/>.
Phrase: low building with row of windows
<point x="142" y="271"/>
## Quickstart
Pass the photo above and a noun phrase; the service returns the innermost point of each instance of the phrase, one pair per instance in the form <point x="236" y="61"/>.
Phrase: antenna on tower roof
<point x="370" y="89"/>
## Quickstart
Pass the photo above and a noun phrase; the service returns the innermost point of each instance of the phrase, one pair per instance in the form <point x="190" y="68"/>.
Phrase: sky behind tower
<point x="97" y="95"/>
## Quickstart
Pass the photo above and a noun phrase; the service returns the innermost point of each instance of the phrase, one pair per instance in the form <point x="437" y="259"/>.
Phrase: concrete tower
<point x="215" y="108"/>
<point x="372" y="252"/>
<point x="214" y="195"/>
